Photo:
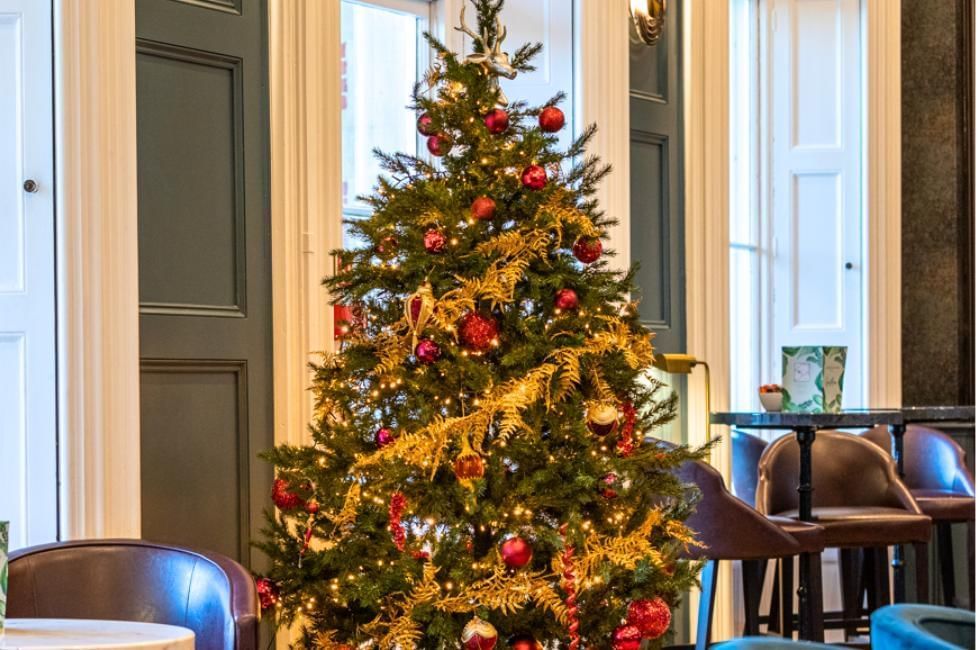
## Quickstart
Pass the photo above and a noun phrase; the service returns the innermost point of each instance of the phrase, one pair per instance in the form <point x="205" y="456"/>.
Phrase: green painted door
<point x="204" y="278"/>
<point x="657" y="182"/>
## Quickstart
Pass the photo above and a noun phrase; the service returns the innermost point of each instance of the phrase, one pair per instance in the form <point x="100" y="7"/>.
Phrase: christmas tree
<point x="479" y="469"/>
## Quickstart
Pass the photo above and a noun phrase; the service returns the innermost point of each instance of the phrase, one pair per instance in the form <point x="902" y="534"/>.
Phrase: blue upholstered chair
<point x="922" y="627"/>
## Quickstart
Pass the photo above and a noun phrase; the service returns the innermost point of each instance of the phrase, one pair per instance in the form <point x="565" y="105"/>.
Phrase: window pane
<point x="744" y="332"/>
<point x="380" y="66"/>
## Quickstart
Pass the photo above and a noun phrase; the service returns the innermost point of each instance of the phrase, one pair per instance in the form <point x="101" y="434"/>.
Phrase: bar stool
<point x="732" y="530"/>
<point x="939" y="479"/>
<point x="857" y="498"/>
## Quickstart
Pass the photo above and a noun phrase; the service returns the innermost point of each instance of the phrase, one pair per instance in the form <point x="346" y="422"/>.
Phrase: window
<point x="384" y="54"/>
<point x="797" y="206"/>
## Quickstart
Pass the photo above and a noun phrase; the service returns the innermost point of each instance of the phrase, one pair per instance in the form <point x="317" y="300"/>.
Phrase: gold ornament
<point x="418" y="310"/>
<point x="602" y="418"/>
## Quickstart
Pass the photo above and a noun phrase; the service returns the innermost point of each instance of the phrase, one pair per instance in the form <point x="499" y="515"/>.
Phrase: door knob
<point x="30" y="185"/>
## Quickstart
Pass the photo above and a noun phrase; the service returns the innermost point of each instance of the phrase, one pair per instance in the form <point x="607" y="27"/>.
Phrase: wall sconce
<point x="649" y="18"/>
<point x="683" y="364"/>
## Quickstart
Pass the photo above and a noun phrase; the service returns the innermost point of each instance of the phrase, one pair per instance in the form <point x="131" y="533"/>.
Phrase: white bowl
<point x="772" y="402"/>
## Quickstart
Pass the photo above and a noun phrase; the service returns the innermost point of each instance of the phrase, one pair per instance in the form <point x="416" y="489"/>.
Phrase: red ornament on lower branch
<point x="479" y="635"/>
<point x="439" y="144"/>
<point x="268" y="593"/>
<point x="524" y="642"/>
<point x="551" y="119"/>
<point x="284" y="498"/>
<point x="478" y="332"/>
<point x="434" y="241"/>
<point x="497" y="121"/>
<point x="534" y="177"/>
<point x="483" y="208"/>
<point x="627" y="637"/>
<point x="516" y="552"/>
<point x="566" y="299"/>
<point x="587" y="250"/>
<point x="650" y="617"/>
<point x="428" y="351"/>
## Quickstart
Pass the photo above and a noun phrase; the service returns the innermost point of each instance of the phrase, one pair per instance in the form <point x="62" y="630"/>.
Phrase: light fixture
<point x="649" y="19"/>
<point x="683" y="364"/>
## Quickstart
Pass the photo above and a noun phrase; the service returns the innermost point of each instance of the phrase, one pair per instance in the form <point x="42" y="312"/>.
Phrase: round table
<point x="78" y="634"/>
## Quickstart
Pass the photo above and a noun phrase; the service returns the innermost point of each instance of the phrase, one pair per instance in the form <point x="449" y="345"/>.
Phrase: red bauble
<point x="479" y="635"/>
<point x="478" y="331"/>
<point x="650" y="617"/>
<point x="428" y="351"/>
<point x="515" y="552"/>
<point x="566" y="299"/>
<point x="384" y="437"/>
<point x="608" y="486"/>
<point x="283" y="498"/>
<point x="497" y="121"/>
<point x="627" y="637"/>
<point x="483" y="208"/>
<point x="523" y="642"/>
<point x="439" y="144"/>
<point x="551" y="119"/>
<point x="587" y="250"/>
<point x="534" y="177"/>
<point x="602" y="419"/>
<point x="424" y="125"/>
<point x="434" y="241"/>
<point x="312" y="507"/>
<point x="268" y="592"/>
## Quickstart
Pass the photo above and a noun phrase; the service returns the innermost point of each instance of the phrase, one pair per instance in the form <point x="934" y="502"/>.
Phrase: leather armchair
<point x="134" y="580"/>
<point x="746" y="451"/>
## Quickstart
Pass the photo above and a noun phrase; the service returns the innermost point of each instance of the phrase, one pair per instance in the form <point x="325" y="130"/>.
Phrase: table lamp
<point x="683" y="364"/>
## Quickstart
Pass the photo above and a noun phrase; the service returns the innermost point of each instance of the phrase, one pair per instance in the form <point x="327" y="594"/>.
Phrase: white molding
<point x="883" y="40"/>
<point x="603" y="63"/>
<point x="98" y="294"/>
<point x="305" y="137"/>
<point x="706" y="207"/>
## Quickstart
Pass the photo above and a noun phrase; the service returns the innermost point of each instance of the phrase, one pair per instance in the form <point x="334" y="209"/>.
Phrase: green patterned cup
<point x="4" y="536"/>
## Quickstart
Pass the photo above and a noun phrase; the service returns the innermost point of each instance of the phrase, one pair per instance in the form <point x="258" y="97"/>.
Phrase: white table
<point x="80" y="634"/>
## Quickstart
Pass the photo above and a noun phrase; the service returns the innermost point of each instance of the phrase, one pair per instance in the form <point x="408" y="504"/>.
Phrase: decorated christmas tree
<point x="479" y="473"/>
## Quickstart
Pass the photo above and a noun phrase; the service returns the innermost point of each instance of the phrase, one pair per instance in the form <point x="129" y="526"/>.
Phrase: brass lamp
<point x="683" y="364"/>
<point x="649" y="18"/>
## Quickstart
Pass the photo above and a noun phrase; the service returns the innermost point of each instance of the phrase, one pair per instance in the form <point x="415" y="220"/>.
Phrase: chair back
<point x="133" y="580"/>
<point x="729" y="528"/>
<point x="746" y="451"/>
<point x="848" y="471"/>
<point x="933" y="460"/>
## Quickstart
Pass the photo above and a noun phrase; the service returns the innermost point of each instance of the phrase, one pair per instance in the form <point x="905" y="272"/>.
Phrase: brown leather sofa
<point x="937" y="475"/>
<point x="134" y="580"/>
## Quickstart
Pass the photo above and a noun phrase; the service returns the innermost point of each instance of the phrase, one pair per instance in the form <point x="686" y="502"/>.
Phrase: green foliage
<point x="352" y="584"/>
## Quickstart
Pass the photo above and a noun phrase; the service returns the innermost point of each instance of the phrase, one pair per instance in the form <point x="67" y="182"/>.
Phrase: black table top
<point x="850" y="419"/>
<point x="926" y="414"/>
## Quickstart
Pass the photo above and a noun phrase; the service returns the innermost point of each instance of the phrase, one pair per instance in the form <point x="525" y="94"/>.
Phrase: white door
<point x="28" y="465"/>
<point x="816" y="103"/>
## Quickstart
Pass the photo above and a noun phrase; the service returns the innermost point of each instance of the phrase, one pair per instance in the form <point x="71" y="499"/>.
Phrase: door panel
<point x="205" y="285"/>
<point x="656" y="182"/>
<point x="28" y="428"/>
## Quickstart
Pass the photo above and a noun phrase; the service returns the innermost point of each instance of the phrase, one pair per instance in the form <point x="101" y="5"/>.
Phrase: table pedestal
<point x="810" y="591"/>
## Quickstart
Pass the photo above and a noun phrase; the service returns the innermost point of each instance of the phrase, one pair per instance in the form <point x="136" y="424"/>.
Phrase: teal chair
<point x="922" y="627"/>
<point x="770" y="643"/>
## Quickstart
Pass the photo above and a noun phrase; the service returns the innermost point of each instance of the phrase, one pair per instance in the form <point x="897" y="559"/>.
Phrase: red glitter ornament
<point x="534" y="177"/>
<point x="516" y="552"/>
<point x="587" y="250"/>
<point x="551" y="119"/>
<point x="569" y="582"/>
<point x="424" y="125"/>
<point x="626" y="444"/>
<point x="479" y="635"/>
<point x="650" y="617"/>
<point x="285" y="499"/>
<point x="268" y="592"/>
<point x="483" y="208"/>
<point x="523" y="642"/>
<point x="439" y="144"/>
<point x="566" y="299"/>
<point x="478" y="331"/>
<point x="384" y="437"/>
<point x="428" y="351"/>
<point x="396" y="508"/>
<point x="497" y="121"/>
<point x="434" y="241"/>
<point x="627" y="637"/>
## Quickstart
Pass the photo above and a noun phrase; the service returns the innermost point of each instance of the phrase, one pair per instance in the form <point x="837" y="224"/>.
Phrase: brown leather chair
<point x="942" y="484"/>
<point x="730" y="529"/>
<point x="857" y="498"/>
<point x="133" y="580"/>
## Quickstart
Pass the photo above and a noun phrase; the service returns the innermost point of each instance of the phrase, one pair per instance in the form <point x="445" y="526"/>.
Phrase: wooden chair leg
<point x="816" y="595"/>
<point x="850" y="588"/>
<point x="786" y="574"/>
<point x="921" y="573"/>
<point x="944" y="539"/>
<point x="774" y="625"/>
<point x="706" y="607"/>
<point x="753" y="578"/>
